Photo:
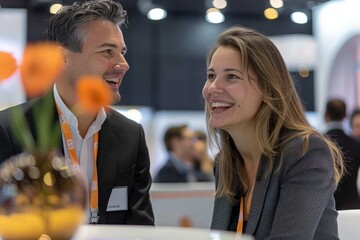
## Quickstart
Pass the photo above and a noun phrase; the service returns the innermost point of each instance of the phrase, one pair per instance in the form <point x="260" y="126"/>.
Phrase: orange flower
<point x="41" y="64"/>
<point x="93" y="93"/>
<point x="7" y="65"/>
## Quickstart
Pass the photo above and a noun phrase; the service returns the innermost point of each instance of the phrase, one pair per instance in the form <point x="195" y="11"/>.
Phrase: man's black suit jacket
<point x="169" y="173"/>
<point x="123" y="161"/>
<point x="346" y="195"/>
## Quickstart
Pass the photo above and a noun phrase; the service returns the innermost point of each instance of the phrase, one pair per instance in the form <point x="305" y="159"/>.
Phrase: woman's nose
<point x="215" y="87"/>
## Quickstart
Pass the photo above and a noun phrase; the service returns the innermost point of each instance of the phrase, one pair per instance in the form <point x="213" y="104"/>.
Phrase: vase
<point x="41" y="197"/>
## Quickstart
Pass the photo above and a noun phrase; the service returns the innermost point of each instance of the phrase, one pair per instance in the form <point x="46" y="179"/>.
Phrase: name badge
<point x="118" y="199"/>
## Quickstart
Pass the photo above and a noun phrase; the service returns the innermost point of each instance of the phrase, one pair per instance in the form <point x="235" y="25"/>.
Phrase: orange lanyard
<point x="94" y="192"/>
<point x="240" y="223"/>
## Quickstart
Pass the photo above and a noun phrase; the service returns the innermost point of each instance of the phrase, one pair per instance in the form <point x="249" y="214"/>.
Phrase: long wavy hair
<point x="279" y="119"/>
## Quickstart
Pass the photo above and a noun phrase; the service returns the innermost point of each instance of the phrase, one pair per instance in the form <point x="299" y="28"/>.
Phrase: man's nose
<point x="122" y="64"/>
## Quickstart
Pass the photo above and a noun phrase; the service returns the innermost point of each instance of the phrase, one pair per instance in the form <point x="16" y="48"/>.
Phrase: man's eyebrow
<point x="112" y="45"/>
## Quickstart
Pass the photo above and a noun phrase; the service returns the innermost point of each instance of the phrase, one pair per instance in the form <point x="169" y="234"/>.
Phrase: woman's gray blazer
<point x="295" y="201"/>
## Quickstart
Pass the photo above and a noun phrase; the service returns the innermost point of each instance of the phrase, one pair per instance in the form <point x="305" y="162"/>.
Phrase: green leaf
<point x="21" y="130"/>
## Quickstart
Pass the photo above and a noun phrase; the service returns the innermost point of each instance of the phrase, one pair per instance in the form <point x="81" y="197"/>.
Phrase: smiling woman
<point x="233" y="101"/>
<point x="273" y="170"/>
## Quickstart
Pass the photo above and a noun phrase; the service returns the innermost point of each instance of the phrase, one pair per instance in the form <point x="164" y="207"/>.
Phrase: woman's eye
<point x="211" y="76"/>
<point x="232" y="76"/>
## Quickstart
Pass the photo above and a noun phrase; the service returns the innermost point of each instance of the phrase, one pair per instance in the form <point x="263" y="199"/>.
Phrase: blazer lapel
<point x="106" y="163"/>
<point x="221" y="214"/>
<point x="55" y="118"/>
<point x="261" y="186"/>
<point x="222" y="207"/>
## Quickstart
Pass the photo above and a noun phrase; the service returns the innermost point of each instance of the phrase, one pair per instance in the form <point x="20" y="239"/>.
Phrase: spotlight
<point x="55" y="8"/>
<point x="299" y="17"/>
<point x="213" y="15"/>
<point x="271" y="13"/>
<point x="152" y="11"/>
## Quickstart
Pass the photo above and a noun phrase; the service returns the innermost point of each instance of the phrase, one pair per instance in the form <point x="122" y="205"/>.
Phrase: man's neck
<point x="84" y="122"/>
<point x="84" y="119"/>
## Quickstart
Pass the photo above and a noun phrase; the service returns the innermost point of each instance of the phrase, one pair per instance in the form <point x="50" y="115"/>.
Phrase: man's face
<point x="102" y="55"/>
<point x="185" y="145"/>
<point x="355" y="126"/>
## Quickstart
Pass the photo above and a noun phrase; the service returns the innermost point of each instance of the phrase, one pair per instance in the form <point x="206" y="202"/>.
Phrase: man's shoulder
<point x="25" y="107"/>
<point x="116" y="116"/>
<point x="117" y="119"/>
<point x="118" y="123"/>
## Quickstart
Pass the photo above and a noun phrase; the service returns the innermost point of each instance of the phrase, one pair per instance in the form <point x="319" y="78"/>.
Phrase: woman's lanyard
<point x="94" y="192"/>
<point x="241" y="219"/>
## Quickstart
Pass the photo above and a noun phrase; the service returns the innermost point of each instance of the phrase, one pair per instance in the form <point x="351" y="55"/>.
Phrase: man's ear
<point x="65" y="55"/>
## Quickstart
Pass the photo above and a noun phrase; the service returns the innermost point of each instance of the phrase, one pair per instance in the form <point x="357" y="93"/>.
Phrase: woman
<point x="275" y="174"/>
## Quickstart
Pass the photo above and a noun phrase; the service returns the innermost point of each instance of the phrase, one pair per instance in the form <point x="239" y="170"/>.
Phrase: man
<point x="92" y="43"/>
<point x="179" y="142"/>
<point x="355" y="123"/>
<point x="346" y="195"/>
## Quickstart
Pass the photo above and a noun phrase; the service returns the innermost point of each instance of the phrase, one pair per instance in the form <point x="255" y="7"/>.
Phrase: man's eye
<point x="108" y="52"/>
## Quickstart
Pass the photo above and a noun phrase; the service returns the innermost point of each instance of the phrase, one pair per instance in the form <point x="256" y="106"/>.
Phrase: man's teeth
<point x="112" y="80"/>
<point x="220" y="104"/>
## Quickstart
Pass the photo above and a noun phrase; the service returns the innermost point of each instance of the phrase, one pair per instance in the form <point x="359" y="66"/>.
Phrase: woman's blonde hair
<point x="280" y="119"/>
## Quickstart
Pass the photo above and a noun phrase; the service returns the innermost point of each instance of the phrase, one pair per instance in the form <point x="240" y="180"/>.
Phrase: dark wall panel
<point x="168" y="58"/>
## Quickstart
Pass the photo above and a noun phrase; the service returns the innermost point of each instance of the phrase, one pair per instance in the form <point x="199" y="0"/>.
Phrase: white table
<point x="129" y="232"/>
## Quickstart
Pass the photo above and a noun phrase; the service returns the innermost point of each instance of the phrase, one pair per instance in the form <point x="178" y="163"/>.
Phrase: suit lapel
<point x="261" y="186"/>
<point x="106" y="163"/>
<point x="221" y="214"/>
<point x="30" y="117"/>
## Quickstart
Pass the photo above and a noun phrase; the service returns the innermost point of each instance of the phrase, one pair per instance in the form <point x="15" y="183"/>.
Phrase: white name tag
<point x="118" y="199"/>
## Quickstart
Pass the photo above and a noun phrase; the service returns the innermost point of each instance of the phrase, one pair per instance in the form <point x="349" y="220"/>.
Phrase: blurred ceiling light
<point x="299" y="17"/>
<point x="271" y="13"/>
<point x="134" y="114"/>
<point x="152" y="11"/>
<point x="303" y="71"/>
<point x="156" y="14"/>
<point x="213" y="15"/>
<point x="219" y="4"/>
<point x="54" y="8"/>
<point x="277" y="3"/>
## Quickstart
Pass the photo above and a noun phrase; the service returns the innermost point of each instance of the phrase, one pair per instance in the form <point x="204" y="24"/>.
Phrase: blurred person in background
<point x="202" y="161"/>
<point x="355" y="123"/>
<point x="346" y="195"/>
<point x="275" y="174"/>
<point x="180" y="143"/>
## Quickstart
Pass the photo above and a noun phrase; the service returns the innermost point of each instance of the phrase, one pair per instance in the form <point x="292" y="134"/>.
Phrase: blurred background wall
<point x="168" y="69"/>
<point x="167" y="57"/>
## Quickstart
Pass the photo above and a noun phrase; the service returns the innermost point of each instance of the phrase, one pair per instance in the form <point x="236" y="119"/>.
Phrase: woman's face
<point x="230" y="101"/>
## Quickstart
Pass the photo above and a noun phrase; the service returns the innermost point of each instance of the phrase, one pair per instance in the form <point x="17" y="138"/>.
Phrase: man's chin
<point x="116" y="98"/>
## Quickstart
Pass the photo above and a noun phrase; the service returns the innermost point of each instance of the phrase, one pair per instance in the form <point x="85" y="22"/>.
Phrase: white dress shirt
<point x="83" y="146"/>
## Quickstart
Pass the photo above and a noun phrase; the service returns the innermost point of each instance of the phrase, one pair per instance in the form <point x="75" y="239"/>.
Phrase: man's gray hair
<point x="65" y="27"/>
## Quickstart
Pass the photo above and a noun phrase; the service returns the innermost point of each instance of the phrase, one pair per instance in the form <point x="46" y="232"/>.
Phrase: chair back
<point x="349" y="224"/>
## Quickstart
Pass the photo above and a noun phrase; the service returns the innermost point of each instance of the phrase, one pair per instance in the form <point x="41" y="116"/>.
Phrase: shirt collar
<point x="71" y="118"/>
<point x="334" y="125"/>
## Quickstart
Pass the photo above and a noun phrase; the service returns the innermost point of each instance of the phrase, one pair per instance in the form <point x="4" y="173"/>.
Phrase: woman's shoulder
<point x="297" y="141"/>
<point x="305" y="147"/>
